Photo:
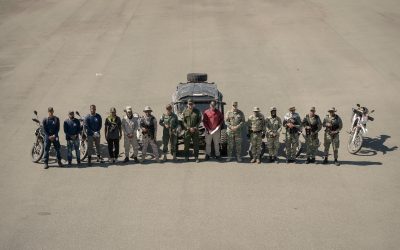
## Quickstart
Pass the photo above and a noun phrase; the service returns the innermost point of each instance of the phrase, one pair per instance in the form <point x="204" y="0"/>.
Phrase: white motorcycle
<point x="361" y="115"/>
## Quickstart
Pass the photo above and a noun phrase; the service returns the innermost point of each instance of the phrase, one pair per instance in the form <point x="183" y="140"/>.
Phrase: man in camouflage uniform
<point x="333" y="124"/>
<point x="274" y="127"/>
<point x="191" y="121"/>
<point x="148" y="125"/>
<point x="169" y="122"/>
<point x="312" y="125"/>
<point x="292" y="123"/>
<point x="256" y="125"/>
<point x="234" y="121"/>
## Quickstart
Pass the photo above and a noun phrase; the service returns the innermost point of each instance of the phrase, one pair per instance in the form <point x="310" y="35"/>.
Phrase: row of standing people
<point x="259" y="127"/>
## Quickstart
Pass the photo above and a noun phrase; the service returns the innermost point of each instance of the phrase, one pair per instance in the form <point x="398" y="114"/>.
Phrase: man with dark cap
<point x="148" y="124"/>
<point x="333" y="124"/>
<point x="93" y="125"/>
<point x="169" y="122"/>
<point x="234" y="120"/>
<point x="72" y="128"/>
<point x="213" y="121"/>
<point x="292" y="123"/>
<point x="312" y="125"/>
<point x="274" y="127"/>
<point x="256" y="127"/>
<point x="191" y="121"/>
<point x="51" y="127"/>
<point x="113" y="134"/>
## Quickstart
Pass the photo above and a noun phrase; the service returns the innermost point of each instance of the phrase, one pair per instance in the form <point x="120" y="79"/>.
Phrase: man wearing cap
<point x="72" y="128"/>
<point x="51" y="127"/>
<point x="93" y="125"/>
<point x="256" y="126"/>
<point x="274" y="127"/>
<point x="169" y="122"/>
<point x="148" y="124"/>
<point x="312" y="125"/>
<point x="191" y="121"/>
<point x="213" y="120"/>
<point x="333" y="124"/>
<point x="113" y="133"/>
<point x="292" y="123"/>
<point x="130" y="126"/>
<point x="234" y="120"/>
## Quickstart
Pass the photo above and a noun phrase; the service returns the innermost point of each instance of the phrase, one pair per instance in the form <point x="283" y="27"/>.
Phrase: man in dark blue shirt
<point x="51" y="127"/>
<point x="72" y="128"/>
<point x="93" y="123"/>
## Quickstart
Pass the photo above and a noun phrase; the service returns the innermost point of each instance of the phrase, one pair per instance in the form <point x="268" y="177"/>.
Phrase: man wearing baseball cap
<point x="292" y="123"/>
<point x="256" y="126"/>
<point x="312" y="124"/>
<point x="169" y="122"/>
<point x="191" y="121"/>
<point x="333" y="124"/>
<point x="274" y="127"/>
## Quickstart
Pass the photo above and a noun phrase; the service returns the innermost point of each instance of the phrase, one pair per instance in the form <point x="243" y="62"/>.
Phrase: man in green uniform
<point x="274" y="127"/>
<point x="333" y="124"/>
<point x="256" y="125"/>
<point x="191" y="121"/>
<point x="234" y="120"/>
<point x="312" y="125"/>
<point x="169" y="122"/>
<point x="292" y="123"/>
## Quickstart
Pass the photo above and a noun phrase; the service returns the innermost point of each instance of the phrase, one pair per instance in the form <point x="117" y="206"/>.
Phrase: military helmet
<point x="147" y="108"/>
<point x="113" y="110"/>
<point x="256" y="109"/>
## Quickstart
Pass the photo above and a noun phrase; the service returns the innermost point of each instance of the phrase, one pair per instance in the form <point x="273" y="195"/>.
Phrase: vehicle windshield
<point x="202" y="106"/>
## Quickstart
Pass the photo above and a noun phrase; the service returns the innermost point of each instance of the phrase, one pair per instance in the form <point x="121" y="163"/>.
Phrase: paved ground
<point x="289" y="52"/>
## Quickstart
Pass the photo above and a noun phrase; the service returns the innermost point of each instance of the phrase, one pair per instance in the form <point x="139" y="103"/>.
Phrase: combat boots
<point x="325" y="161"/>
<point x="174" y="156"/>
<point x="60" y="164"/>
<point x="89" y="160"/>
<point x="336" y="162"/>
<point x="239" y="159"/>
<point x="258" y="161"/>
<point x="253" y="160"/>
<point x="308" y="160"/>
<point x="46" y="165"/>
<point x="165" y="157"/>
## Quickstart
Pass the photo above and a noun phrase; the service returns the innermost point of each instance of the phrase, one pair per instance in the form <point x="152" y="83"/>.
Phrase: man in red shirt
<point x="213" y="121"/>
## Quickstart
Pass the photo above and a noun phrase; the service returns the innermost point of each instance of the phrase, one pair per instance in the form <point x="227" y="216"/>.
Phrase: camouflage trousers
<point x="171" y="139"/>
<point x="146" y="141"/>
<point x="273" y="145"/>
<point x="256" y="142"/>
<point x="334" y="140"/>
<point x="292" y="142"/>
<point x="312" y="144"/>
<point x="235" y="139"/>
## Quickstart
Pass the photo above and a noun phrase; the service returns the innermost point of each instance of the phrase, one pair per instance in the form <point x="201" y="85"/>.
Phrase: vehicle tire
<point x="354" y="147"/>
<point x="197" y="77"/>
<point x="83" y="148"/>
<point x="37" y="151"/>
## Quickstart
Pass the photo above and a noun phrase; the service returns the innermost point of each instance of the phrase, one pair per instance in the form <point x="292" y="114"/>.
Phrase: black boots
<point x="60" y="163"/>
<point x="336" y="162"/>
<point x="325" y="161"/>
<point x="308" y="161"/>
<point x="89" y="160"/>
<point x="125" y="160"/>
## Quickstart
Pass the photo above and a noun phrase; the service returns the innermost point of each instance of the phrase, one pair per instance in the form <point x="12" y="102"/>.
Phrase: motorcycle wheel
<point x="37" y="151"/>
<point x="83" y="145"/>
<point x="354" y="147"/>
